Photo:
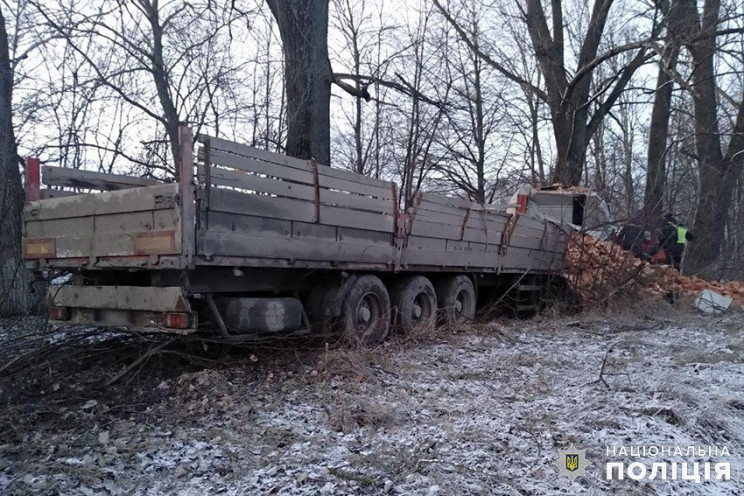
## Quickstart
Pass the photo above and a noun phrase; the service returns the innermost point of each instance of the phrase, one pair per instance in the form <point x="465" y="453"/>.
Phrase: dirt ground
<point x="482" y="411"/>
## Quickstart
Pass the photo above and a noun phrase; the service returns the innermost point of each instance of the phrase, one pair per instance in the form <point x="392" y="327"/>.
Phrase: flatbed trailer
<point x="251" y="242"/>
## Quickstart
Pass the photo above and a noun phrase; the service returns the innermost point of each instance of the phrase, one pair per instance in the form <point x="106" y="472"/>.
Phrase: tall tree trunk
<point x="718" y="173"/>
<point x="162" y="85"/>
<point x="303" y="26"/>
<point x="14" y="294"/>
<point x="653" y="198"/>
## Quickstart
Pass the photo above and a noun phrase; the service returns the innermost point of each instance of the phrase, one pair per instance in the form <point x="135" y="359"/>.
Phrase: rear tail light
<point x="176" y="320"/>
<point x="59" y="313"/>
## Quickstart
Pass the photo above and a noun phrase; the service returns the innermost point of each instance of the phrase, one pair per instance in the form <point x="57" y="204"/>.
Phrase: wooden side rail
<point x="63" y="177"/>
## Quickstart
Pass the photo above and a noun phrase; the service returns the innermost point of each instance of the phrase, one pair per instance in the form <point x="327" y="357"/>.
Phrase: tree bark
<point x="303" y="26"/>
<point x="657" y="144"/>
<point x="14" y="294"/>
<point x="653" y="198"/>
<point x="718" y="173"/>
<point x="171" y="119"/>
<point x="569" y="100"/>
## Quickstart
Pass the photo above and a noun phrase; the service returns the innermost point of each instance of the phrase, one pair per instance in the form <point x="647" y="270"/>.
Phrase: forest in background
<point x="639" y="100"/>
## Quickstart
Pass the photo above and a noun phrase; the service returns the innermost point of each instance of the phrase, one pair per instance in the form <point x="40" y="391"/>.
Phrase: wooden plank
<point x="497" y="215"/>
<point x="252" y="182"/>
<point x="223" y="200"/>
<point x="127" y="222"/>
<point x="529" y="231"/>
<point x="430" y="206"/>
<point x="458" y="246"/>
<point x="353" y="177"/>
<point x="434" y="230"/>
<point x="517" y="260"/>
<point x="289" y="187"/>
<point x="108" y="202"/>
<point x="455" y="206"/>
<point x="57" y="193"/>
<point x="425" y="243"/>
<point x="337" y="216"/>
<point x="364" y="236"/>
<point x="329" y="178"/>
<point x="160" y="299"/>
<point x="447" y="200"/>
<point x="103" y="244"/>
<point x="279" y="249"/>
<point x="58" y="227"/>
<point x="247" y="224"/>
<point x="479" y="221"/>
<point x="464" y="261"/>
<point x="358" y="202"/>
<point x="483" y="248"/>
<point x="218" y="144"/>
<point x="166" y="220"/>
<point x="250" y="165"/>
<point x="291" y="209"/>
<point x="440" y="218"/>
<point x="531" y="222"/>
<point x="77" y="178"/>
<point x="378" y="191"/>
<point x="231" y="147"/>
<point x="303" y="230"/>
<point x="481" y="236"/>
<point x="529" y="242"/>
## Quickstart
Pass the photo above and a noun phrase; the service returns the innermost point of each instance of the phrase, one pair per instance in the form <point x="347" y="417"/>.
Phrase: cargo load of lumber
<point x="599" y="270"/>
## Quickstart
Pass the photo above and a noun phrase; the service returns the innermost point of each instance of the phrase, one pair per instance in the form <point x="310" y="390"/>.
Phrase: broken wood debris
<point x="598" y="270"/>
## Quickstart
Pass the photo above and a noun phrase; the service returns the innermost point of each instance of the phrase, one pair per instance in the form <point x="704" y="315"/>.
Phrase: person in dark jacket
<point x="673" y="239"/>
<point x="629" y="238"/>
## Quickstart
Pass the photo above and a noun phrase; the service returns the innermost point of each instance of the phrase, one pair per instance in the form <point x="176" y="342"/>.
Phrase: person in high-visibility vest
<point x="673" y="239"/>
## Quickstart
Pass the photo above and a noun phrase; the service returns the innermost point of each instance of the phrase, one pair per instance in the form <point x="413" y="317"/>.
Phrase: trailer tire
<point x="456" y="297"/>
<point x="415" y="302"/>
<point x="365" y="313"/>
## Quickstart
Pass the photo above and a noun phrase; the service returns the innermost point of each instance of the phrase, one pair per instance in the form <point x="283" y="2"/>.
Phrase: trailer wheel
<point x="415" y="302"/>
<point x="456" y="296"/>
<point x="365" y="316"/>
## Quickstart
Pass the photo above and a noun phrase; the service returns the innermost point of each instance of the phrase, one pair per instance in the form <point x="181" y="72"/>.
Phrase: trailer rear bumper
<point x="141" y="308"/>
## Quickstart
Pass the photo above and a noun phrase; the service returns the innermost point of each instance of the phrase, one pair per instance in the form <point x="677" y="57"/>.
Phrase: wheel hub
<point x="417" y="310"/>
<point x="458" y="305"/>
<point x="364" y="315"/>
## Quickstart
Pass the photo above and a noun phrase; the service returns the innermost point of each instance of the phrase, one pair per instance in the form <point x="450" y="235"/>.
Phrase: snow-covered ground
<point x="482" y="412"/>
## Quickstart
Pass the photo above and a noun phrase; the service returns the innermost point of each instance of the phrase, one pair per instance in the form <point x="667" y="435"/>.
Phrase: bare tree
<point x="660" y="115"/>
<point x="476" y="109"/>
<point x="568" y="92"/>
<point x="179" y="49"/>
<point x="14" y="297"/>
<point x="303" y="25"/>
<point x="719" y="167"/>
<point x="364" y="37"/>
<point x="418" y="123"/>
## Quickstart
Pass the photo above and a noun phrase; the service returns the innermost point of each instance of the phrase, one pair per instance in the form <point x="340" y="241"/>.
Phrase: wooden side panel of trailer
<point x="246" y="206"/>
<point x="267" y="206"/>
<point x="137" y="223"/>
<point x="452" y="234"/>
